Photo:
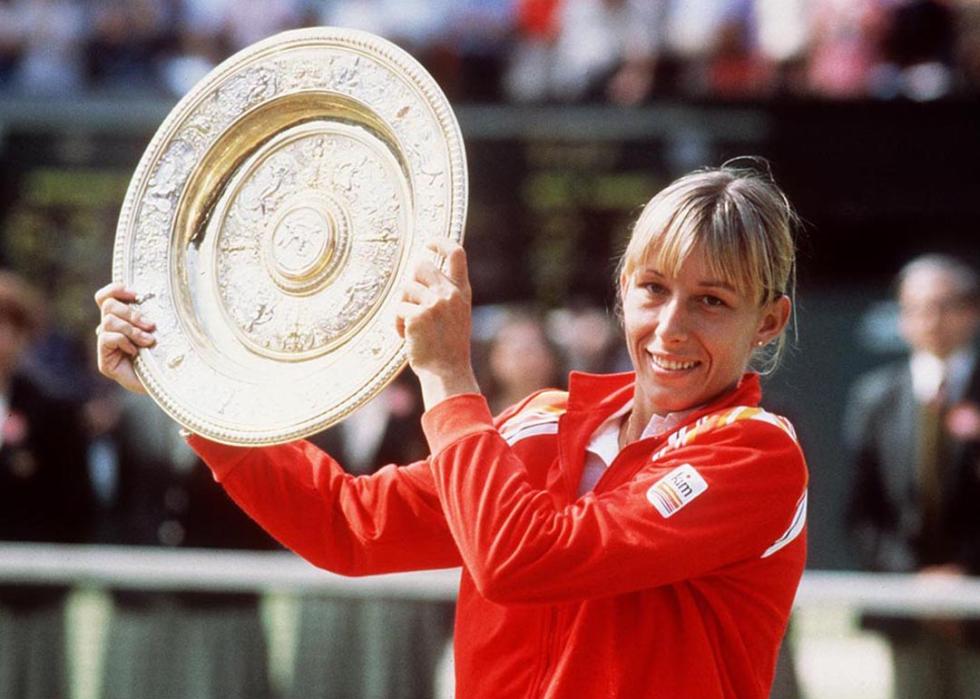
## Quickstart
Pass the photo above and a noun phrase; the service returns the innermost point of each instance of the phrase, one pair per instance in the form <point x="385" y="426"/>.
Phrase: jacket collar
<point x="606" y="393"/>
<point x="592" y="398"/>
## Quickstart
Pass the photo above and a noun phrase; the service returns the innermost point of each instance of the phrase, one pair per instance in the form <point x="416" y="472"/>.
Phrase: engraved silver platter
<point x="270" y="223"/>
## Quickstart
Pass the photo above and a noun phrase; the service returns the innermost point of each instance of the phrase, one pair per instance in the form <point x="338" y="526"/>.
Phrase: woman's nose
<point x="672" y="324"/>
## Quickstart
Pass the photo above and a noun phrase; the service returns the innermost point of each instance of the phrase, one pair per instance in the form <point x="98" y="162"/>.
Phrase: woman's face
<point x="691" y="336"/>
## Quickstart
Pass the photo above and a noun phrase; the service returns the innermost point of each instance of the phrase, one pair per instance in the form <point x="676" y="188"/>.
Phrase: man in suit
<point x="44" y="497"/>
<point x="351" y="648"/>
<point x="912" y="432"/>
<point x="162" y="644"/>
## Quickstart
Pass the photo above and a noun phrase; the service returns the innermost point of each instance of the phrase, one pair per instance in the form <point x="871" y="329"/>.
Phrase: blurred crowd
<point x="620" y="51"/>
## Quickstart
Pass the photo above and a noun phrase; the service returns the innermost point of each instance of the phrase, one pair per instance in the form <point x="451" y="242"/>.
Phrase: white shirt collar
<point x="604" y="442"/>
<point x="603" y="446"/>
<point x="929" y="371"/>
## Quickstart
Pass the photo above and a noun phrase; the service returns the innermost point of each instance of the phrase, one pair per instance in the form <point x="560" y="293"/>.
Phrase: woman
<point x="639" y="536"/>
<point x="520" y="359"/>
<point x="45" y="496"/>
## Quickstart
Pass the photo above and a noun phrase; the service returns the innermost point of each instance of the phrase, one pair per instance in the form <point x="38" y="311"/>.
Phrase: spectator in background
<point x="918" y="46"/>
<point x="208" y="31"/>
<point x="200" y="44"/>
<point x="783" y="36"/>
<point x="205" y="645"/>
<point x="535" y="28"/>
<point x="845" y="47"/>
<point x="9" y="42"/>
<point x="127" y="38"/>
<point x="968" y="44"/>
<point x="520" y="360"/>
<point x="692" y="28"/>
<point x="51" y="36"/>
<point x="415" y="25"/>
<point x="247" y="21"/>
<point x="479" y="35"/>
<point x="44" y="497"/>
<point x="736" y="68"/>
<point x="418" y="26"/>
<point x="589" y="340"/>
<point x="587" y="50"/>
<point x="912" y="432"/>
<point x="365" y="648"/>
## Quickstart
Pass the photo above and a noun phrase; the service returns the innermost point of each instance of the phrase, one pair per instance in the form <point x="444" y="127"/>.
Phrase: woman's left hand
<point x="434" y="318"/>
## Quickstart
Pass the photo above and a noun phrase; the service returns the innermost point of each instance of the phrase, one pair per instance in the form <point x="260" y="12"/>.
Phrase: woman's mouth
<point x="667" y="364"/>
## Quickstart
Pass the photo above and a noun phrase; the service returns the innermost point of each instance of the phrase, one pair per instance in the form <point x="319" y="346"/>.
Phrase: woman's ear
<point x="775" y="316"/>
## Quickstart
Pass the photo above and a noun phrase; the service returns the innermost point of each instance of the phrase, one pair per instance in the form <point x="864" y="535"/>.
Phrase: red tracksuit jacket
<point x="673" y="579"/>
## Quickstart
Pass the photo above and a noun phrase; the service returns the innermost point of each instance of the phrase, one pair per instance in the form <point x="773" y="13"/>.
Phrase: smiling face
<point x="705" y="280"/>
<point x="691" y="332"/>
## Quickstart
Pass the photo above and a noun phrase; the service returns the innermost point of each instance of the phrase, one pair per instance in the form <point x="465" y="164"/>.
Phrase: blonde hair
<point x="741" y="220"/>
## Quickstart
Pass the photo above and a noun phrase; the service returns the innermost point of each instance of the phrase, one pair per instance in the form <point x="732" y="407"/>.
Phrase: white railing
<point x="280" y="571"/>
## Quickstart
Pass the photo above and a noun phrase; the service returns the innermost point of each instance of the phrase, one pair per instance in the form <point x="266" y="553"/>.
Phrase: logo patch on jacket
<point x="676" y="489"/>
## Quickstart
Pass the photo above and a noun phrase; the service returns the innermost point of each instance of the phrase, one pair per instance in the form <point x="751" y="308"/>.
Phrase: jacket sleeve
<point x="387" y="522"/>
<point x="520" y="547"/>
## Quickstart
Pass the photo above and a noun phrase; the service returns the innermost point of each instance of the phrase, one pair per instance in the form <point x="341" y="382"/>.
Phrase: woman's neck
<point x="637" y="425"/>
<point x="631" y="428"/>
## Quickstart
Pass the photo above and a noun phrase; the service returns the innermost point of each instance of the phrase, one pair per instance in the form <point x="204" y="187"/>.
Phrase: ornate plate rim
<point x="409" y="69"/>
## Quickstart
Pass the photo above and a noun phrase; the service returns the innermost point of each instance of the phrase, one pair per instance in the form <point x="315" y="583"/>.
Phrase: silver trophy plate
<point x="270" y="224"/>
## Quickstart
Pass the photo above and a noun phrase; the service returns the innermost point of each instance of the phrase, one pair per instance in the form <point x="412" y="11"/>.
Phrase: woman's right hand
<point x="121" y="334"/>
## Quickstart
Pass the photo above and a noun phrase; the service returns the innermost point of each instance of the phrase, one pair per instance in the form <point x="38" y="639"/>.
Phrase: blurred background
<point x="574" y="112"/>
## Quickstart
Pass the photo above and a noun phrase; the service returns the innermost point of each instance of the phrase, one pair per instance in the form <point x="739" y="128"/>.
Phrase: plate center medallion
<point x="303" y="242"/>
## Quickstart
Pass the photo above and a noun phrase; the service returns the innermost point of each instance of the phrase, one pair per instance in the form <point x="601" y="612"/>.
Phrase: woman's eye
<point x="655" y="289"/>
<point x="713" y="301"/>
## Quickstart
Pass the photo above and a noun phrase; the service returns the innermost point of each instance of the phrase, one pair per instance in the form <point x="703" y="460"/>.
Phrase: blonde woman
<point x="641" y="535"/>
